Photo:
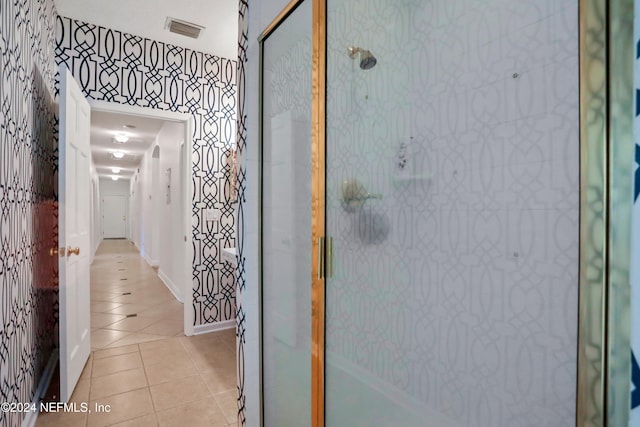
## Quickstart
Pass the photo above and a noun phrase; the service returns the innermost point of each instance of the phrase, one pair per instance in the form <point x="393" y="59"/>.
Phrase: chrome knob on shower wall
<point x="354" y="195"/>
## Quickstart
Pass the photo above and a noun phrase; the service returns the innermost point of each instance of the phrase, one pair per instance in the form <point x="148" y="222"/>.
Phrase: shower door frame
<point x="318" y="179"/>
<point x="605" y="73"/>
<point x="606" y="94"/>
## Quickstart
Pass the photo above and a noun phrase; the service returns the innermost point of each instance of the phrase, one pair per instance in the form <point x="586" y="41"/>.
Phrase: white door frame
<point x="187" y="170"/>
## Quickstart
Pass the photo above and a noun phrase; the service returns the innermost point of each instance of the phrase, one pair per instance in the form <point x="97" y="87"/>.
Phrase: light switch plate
<point x="212" y="214"/>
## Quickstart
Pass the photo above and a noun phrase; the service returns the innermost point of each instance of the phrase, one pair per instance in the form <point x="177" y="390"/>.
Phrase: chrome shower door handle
<point x="320" y="257"/>
<point x="329" y="258"/>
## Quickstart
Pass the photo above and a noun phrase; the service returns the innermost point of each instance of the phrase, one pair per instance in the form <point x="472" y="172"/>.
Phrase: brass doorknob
<point x="56" y="251"/>
<point x="71" y="251"/>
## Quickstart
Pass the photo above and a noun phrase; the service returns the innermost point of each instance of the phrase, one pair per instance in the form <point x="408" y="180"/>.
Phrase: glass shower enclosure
<point x="447" y="258"/>
<point x="286" y="220"/>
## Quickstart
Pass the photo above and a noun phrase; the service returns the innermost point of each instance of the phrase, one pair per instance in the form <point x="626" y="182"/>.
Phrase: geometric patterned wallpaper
<point x="28" y="209"/>
<point x="458" y="289"/>
<point x="113" y="66"/>
<point x="241" y="182"/>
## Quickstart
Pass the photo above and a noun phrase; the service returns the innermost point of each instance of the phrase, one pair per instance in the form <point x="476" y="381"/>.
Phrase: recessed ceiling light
<point x="115" y="170"/>
<point x="121" y="138"/>
<point x="118" y="154"/>
<point x="128" y="126"/>
<point x="115" y="178"/>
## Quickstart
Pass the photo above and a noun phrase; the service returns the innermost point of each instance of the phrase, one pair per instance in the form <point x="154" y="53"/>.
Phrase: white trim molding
<point x="152" y="263"/>
<point x="175" y="290"/>
<point x="212" y="327"/>
<point x="32" y="416"/>
<point x="135" y="110"/>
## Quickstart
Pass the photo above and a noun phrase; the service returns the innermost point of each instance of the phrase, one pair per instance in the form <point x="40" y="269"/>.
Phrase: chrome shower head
<point x="367" y="60"/>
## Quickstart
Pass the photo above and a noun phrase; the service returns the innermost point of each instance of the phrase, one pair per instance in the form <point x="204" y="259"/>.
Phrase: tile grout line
<point x="146" y="377"/>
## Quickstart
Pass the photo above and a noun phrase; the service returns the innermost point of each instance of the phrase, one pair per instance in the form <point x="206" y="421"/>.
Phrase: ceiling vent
<point x="184" y="28"/>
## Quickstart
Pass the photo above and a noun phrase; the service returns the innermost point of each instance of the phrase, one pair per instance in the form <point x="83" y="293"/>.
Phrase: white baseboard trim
<point x="212" y="327"/>
<point x="43" y="385"/>
<point x="169" y="284"/>
<point x="95" y="250"/>
<point x="151" y="262"/>
<point x="32" y="416"/>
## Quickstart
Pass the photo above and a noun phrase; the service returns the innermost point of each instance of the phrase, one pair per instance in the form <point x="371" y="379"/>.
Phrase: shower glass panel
<point x="286" y="220"/>
<point x="452" y="201"/>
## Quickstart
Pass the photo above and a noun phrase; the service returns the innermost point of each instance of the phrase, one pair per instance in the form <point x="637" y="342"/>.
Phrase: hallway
<point x="143" y="366"/>
<point x="129" y="302"/>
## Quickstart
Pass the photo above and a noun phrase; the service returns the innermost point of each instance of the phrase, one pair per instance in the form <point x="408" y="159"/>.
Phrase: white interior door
<point x="75" y="234"/>
<point x="114" y="217"/>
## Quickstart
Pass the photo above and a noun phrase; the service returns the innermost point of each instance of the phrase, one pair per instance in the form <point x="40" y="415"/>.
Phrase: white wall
<point x="156" y="225"/>
<point x="155" y="204"/>
<point x="96" y="213"/>
<point x="149" y="200"/>
<point x="135" y="209"/>
<point x="170" y="214"/>
<point x="145" y="197"/>
<point x="142" y="209"/>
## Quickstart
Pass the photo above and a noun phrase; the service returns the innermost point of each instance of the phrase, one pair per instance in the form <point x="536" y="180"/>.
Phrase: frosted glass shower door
<point x="452" y="165"/>
<point x="286" y="221"/>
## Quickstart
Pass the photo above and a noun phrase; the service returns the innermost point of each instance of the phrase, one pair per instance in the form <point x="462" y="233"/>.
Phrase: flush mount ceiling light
<point x="115" y="178"/>
<point x="121" y="138"/>
<point x="118" y="154"/>
<point x="115" y="170"/>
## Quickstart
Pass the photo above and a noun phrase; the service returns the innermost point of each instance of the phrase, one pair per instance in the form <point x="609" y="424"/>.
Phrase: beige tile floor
<point x="123" y="284"/>
<point x="143" y="367"/>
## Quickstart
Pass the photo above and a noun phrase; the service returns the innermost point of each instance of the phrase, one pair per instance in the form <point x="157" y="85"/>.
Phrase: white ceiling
<point x="104" y="126"/>
<point x="147" y="18"/>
